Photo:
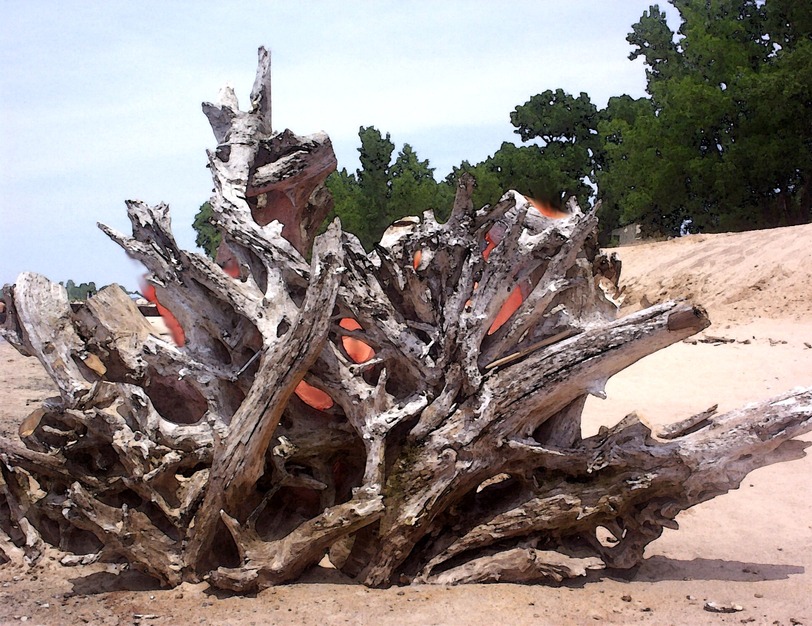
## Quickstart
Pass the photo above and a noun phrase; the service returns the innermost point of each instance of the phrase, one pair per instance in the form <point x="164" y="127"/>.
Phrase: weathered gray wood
<point x="39" y="321"/>
<point x="629" y="469"/>
<point x="452" y="454"/>
<point x="519" y="565"/>
<point x="239" y="455"/>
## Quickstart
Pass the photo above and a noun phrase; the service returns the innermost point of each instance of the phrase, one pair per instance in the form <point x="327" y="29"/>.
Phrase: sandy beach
<point x="750" y="549"/>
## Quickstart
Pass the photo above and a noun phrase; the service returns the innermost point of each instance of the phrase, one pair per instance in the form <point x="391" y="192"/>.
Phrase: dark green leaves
<point x="208" y="237"/>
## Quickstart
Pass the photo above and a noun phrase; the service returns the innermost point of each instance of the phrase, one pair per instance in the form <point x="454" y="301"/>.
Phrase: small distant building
<point x="627" y="235"/>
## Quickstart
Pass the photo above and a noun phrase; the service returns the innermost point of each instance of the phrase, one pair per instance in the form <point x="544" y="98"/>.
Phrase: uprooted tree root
<point x="450" y="452"/>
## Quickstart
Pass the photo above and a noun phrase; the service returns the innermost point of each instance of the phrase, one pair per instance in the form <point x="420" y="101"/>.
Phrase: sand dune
<point x="738" y="277"/>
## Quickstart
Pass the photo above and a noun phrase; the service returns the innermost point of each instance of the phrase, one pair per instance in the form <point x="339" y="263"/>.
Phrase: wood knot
<point x="695" y="318"/>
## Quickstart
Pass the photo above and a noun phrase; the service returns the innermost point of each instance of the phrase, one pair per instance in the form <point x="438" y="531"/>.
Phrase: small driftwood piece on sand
<point x="385" y="409"/>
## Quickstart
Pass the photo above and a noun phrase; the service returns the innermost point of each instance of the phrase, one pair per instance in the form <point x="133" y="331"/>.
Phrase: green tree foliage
<point x="653" y="40"/>
<point x="556" y="118"/>
<point x="413" y="188"/>
<point x="559" y="160"/>
<point x="348" y="201"/>
<point x="772" y="148"/>
<point x="566" y="126"/>
<point x="545" y="173"/>
<point x="382" y="191"/>
<point x="374" y="180"/>
<point x="618" y="185"/>
<point x="208" y="236"/>
<point x="488" y="187"/>
<point x="725" y="139"/>
<point x="789" y="22"/>
<point x="81" y="292"/>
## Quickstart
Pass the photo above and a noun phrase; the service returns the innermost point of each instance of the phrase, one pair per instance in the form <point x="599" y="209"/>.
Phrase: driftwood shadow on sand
<point x="654" y="569"/>
<point x="105" y="582"/>
<point x="133" y="580"/>
<point x="660" y="568"/>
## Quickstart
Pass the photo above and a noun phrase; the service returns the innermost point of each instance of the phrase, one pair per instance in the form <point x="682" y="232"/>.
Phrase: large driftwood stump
<point x="413" y="412"/>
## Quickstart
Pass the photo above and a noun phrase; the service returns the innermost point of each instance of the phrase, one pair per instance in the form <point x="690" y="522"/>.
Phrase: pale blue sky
<point x="100" y="100"/>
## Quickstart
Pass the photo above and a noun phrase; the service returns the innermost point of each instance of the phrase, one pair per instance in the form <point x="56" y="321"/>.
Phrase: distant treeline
<point x="83" y="291"/>
<point x="723" y="138"/>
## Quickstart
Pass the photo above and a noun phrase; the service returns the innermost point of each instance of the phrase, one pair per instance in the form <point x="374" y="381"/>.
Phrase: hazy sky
<point x="100" y="100"/>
